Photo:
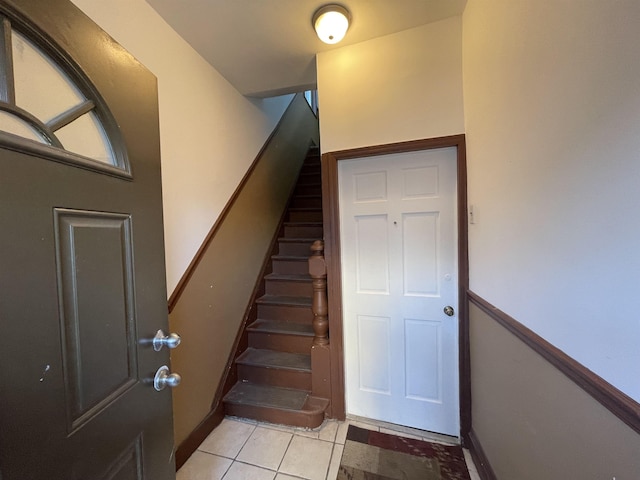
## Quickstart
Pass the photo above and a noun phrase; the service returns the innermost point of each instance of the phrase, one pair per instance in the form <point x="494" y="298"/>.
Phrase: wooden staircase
<point x="274" y="372"/>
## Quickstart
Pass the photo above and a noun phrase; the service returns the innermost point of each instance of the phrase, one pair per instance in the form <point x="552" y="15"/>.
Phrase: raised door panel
<point x="97" y="309"/>
<point x="372" y="249"/>
<point x="398" y="255"/>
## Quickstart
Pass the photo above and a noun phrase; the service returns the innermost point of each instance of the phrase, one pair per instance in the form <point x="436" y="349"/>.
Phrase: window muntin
<point x="12" y="124"/>
<point x="46" y="101"/>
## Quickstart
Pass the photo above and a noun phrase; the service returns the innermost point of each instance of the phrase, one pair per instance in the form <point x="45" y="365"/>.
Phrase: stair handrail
<point x="319" y="304"/>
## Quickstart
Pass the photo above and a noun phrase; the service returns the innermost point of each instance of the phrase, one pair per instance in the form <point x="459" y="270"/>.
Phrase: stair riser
<point x="291" y="267"/>
<point x="281" y="342"/>
<point x="309" y="179"/>
<point x="275" y="376"/>
<point x="295" y="249"/>
<point x="272" y="386"/>
<point x="305" y="216"/>
<point x="272" y="415"/>
<point x="306" y="202"/>
<point x="284" y="287"/>
<point x="302" y="231"/>
<point x="308" y="190"/>
<point x="285" y="313"/>
<point x="311" y="169"/>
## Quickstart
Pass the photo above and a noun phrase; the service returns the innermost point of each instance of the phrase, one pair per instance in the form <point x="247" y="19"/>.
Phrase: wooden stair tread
<point x="297" y="240"/>
<point x="284" y="300"/>
<point x="307" y="195"/>
<point x="274" y="372"/>
<point x="284" y="328"/>
<point x="292" y="258"/>
<point x="267" y="396"/>
<point x="276" y="405"/>
<point x="289" y="277"/>
<point x="305" y="209"/>
<point x="303" y="224"/>
<point x="274" y="359"/>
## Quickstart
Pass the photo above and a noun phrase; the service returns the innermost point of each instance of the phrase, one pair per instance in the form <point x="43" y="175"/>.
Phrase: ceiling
<point x="267" y="47"/>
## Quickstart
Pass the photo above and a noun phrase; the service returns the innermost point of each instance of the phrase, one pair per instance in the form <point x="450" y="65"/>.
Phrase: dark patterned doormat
<point x="372" y="455"/>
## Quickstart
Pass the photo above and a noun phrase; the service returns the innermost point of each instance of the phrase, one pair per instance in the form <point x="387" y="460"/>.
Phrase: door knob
<point x="165" y="379"/>
<point x="448" y="310"/>
<point x="171" y="341"/>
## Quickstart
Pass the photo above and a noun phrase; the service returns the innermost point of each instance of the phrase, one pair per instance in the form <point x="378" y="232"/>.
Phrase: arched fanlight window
<point x="48" y="108"/>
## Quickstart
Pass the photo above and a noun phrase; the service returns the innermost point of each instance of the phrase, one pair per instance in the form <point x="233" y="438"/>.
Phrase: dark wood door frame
<point x="331" y="217"/>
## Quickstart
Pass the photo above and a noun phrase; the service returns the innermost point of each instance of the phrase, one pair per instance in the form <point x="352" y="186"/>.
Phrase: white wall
<point x="210" y="133"/>
<point x="552" y="116"/>
<point x="404" y="86"/>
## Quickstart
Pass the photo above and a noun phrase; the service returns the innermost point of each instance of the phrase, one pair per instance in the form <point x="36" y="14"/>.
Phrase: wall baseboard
<point x="617" y="402"/>
<point x="480" y="458"/>
<point x="202" y="431"/>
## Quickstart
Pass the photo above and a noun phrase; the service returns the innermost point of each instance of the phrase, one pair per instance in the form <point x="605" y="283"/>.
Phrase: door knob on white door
<point x="449" y="311"/>
<point x="171" y="341"/>
<point x="165" y="379"/>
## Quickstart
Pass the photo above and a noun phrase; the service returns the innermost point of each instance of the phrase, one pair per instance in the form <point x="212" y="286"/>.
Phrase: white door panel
<point x="399" y="268"/>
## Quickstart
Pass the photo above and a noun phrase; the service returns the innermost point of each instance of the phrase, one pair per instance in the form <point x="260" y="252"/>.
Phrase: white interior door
<point x="399" y="272"/>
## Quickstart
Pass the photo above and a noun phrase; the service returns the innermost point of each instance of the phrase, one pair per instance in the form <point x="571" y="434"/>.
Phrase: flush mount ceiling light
<point x="331" y="23"/>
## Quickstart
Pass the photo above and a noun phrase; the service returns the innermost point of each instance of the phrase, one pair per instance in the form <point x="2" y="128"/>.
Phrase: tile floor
<point x="240" y="449"/>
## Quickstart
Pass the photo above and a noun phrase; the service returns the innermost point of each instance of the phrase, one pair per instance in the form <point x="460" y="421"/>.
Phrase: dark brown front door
<point x="82" y="283"/>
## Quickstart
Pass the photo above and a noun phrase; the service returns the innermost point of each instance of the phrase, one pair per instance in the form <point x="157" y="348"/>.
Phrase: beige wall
<point x="404" y="86"/>
<point x="533" y="422"/>
<point x="210" y="133"/>
<point x="552" y="108"/>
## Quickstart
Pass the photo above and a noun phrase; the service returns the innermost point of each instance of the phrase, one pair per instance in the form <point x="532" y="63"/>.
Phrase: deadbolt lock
<point x="165" y="379"/>
<point x="160" y="340"/>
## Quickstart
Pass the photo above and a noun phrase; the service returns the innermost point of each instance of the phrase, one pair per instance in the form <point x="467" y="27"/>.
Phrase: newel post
<point x="321" y="349"/>
<point x="319" y="306"/>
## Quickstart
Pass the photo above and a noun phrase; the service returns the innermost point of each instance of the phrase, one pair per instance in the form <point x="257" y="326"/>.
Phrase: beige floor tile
<point x="243" y="420"/>
<point x="474" y="475"/>
<point x="204" y="466"/>
<point x="328" y="431"/>
<point x="243" y="471"/>
<point x="265" y="448"/>
<point x="307" y="433"/>
<point x="308" y="458"/>
<point x="471" y="466"/>
<point x="280" y="428"/>
<point x="228" y="438"/>
<point x="335" y="461"/>
<point x="341" y="434"/>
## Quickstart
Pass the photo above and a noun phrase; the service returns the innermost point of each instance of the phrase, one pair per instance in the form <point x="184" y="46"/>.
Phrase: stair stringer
<point x="253" y="395"/>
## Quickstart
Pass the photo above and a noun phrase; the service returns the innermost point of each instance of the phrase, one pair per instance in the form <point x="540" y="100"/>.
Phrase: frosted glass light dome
<point x="331" y="23"/>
